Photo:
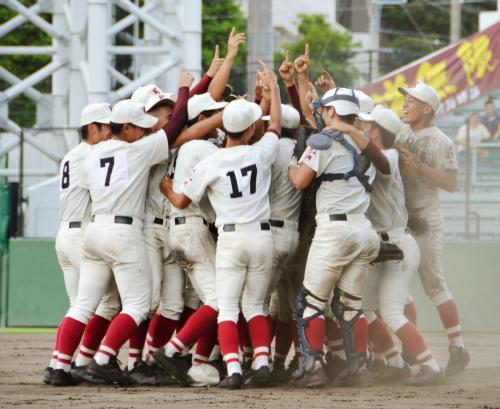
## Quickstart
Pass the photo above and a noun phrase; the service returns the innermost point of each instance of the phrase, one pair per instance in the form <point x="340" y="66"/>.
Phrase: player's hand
<point x="268" y="76"/>
<point x="166" y="184"/>
<point x="258" y="86"/>
<point x="286" y="70"/>
<point x="301" y="63"/>
<point x="325" y="82"/>
<point x="216" y="63"/>
<point x="410" y="164"/>
<point x="234" y="42"/>
<point x="185" y="79"/>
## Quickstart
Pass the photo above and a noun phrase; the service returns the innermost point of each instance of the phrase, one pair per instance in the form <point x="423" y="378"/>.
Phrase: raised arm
<point x="270" y="82"/>
<point x="220" y="80"/>
<point x="204" y="83"/>
<point x="286" y="73"/>
<point x="181" y="201"/>
<point x="301" y="67"/>
<point x="199" y="130"/>
<point x="179" y="116"/>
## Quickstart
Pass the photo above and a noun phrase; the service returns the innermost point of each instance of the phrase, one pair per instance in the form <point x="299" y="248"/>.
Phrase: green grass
<point x="23" y="330"/>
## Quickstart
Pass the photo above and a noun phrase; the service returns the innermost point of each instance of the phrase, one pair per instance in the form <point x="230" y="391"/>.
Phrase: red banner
<point x="460" y="73"/>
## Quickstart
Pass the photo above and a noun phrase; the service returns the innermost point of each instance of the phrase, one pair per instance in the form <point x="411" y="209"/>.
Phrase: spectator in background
<point x="477" y="133"/>
<point x="491" y="119"/>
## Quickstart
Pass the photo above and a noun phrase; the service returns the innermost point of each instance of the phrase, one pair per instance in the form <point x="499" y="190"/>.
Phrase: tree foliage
<point x="22" y="109"/>
<point x="218" y="17"/>
<point x="330" y="49"/>
<point x="422" y="27"/>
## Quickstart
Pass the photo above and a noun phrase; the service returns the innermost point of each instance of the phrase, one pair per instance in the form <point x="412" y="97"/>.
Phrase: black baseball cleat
<point x="109" y="373"/>
<point x="220" y="366"/>
<point x="81" y="375"/>
<point x="141" y="374"/>
<point x="459" y="359"/>
<point x="334" y="365"/>
<point x="235" y="381"/>
<point x="376" y="366"/>
<point x="47" y="375"/>
<point x="176" y="366"/>
<point x="61" y="378"/>
<point x="162" y="378"/>
<point x="361" y="378"/>
<point x="279" y="374"/>
<point x="259" y="378"/>
<point x="426" y="377"/>
<point x="390" y="374"/>
<point x="315" y="378"/>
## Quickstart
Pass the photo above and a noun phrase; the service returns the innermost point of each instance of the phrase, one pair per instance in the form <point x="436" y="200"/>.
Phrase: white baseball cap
<point x="385" y="118"/>
<point x="132" y="112"/>
<point x="203" y="102"/>
<point x="366" y="104"/>
<point x="99" y="112"/>
<point x="150" y="95"/>
<point x="290" y="117"/>
<point x="240" y="114"/>
<point x="344" y="100"/>
<point x="424" y="93"/>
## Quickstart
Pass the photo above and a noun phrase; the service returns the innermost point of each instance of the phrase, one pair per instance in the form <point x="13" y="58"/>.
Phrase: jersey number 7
<point x="252" y="169"/>
<point x="111" y="163"/>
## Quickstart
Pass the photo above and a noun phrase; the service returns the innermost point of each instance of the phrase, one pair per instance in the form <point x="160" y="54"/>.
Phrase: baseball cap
<point x="344" y="100"/>
<point x="203" y="102"/>
<point x="385" y="118"/>
<point x="290" y="117"/>
<point x="150" y="95"/>
<point x="99" y="112"/>
<point x="366" y="104"/>
<point x="132" y="112"/>
<point x="240" y="114"/>
<point x="424" y="93"/>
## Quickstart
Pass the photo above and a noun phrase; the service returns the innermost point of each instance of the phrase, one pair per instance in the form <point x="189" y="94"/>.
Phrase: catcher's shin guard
<point x="346" y="311"/>
<point x="309" y="354"/>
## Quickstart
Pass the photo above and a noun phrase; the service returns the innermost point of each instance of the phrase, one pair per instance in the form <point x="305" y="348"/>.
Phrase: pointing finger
<point x="232" y="32"/>
<point x="306" y="51"/>
<point x="287" y="56"/>
<point x="216" y="55"/>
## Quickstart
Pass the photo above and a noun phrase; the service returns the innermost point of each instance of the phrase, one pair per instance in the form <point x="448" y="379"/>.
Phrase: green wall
<point x="34" y="293"/>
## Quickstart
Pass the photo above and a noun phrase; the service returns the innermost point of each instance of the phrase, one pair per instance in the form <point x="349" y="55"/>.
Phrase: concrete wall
<point x="33" y="294"/>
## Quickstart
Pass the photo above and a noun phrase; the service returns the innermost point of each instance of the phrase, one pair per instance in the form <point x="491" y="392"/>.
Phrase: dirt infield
<point x="23" y="357"/>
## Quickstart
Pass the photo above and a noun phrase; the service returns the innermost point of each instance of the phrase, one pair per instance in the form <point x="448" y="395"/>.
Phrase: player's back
<point x="117" y="174"/>
<point x="188" y="156"/>
<point x="387" y="209"/>
<point x="285" y="200"/>
<point x="237" y="181"/>
<point x="74" y="197"/>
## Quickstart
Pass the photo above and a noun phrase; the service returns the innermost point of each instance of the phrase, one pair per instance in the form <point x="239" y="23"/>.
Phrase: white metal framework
<point x="88" y="37"/>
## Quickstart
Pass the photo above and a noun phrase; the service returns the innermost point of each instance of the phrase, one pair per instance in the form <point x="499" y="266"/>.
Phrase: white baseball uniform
<point x="388" y="284"/>
<point x="434" y="148"/>
<point x="344" y="242"/>
<point x="117" y="173"/>
<point x="74" y="205"/>
<point x="167" y="277"/>
<point x="285" y="203"/>
<point x="193" y="246"/>
<point x="237" y="181"/>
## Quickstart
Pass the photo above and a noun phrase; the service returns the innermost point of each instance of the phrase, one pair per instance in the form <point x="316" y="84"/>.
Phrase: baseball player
<point x="237" y="179"/>
<point x="344" y="241"/>
<point x="116" y="175"/>
<point x="74" y="204"/>
<point x="194" y="249"/>
<point x="285" y="202"/>
<point x="388" y="284"/>
<point x="429" y="163"/>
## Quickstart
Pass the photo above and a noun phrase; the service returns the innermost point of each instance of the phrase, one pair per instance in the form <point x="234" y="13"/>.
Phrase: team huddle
<point x="185" y="220"/>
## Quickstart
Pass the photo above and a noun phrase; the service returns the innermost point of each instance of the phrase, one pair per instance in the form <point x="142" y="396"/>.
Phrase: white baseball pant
<point x="387" y="286"/>
<point x="429" y="236"/>
<point x="244" y="260"/>
<point x="193" y="248"/>
<point x="113" y="250"/>
<point x="69" y="243"/>
<point x="339" y="256"/>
